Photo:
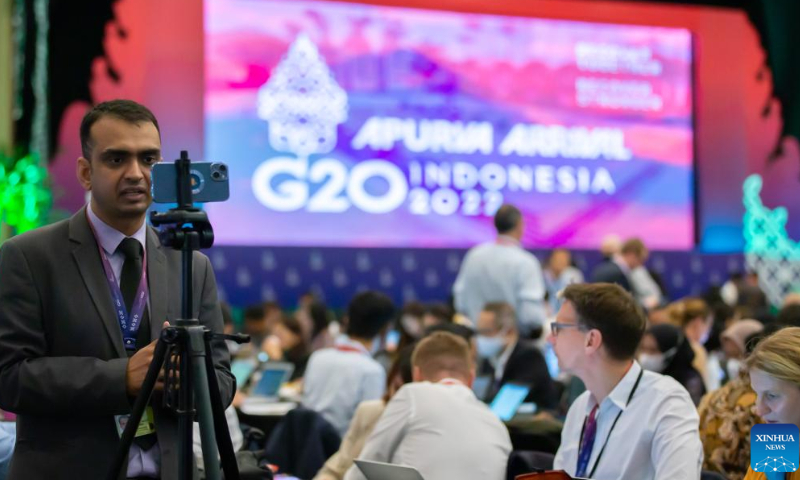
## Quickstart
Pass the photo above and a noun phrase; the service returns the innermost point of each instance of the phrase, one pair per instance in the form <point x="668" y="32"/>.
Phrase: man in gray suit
<point x="71" y="363"/>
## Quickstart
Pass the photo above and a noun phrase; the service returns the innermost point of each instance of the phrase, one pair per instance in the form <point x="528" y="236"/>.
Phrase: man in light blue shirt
<point x="629" y="423"/>
<point x="338" y="379"/>
<point x="502" y="271"/>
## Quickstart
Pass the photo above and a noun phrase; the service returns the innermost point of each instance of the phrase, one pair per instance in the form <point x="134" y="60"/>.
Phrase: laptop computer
<point x="508" y="400"/>
<point x="273" y="375"/>
<point x="387" y="471"/>
<point x="241" y="370"/>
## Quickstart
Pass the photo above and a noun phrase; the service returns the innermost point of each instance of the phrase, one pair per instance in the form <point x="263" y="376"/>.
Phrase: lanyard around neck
<point x="599" y="455"/>
<point x="129" y="322"/>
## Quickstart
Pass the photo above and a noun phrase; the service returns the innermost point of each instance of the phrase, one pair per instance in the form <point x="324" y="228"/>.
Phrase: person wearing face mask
<point x="774" y="368"/>
<point x="733" y="344"/>
<point x="665" y="350"/>
<point x="694" y="316"/>
<point x="410" y="324"/>
<point x="506" y="358"/>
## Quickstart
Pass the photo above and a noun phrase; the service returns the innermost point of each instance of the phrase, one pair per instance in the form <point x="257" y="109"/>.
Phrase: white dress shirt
<point x="338" y="379"/>
<point x="501" y="271"/>
<point x="140" y="463"/>
<point x="442" y="430"/>
<point x="656" y="438"/>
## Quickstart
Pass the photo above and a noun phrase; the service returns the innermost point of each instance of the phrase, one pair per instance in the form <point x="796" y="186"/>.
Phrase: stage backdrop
<point x="371" y="126"/>
<point x="155" y="54"/>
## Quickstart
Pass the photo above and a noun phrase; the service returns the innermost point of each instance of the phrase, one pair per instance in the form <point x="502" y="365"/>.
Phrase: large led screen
<point x="360" y="125"/>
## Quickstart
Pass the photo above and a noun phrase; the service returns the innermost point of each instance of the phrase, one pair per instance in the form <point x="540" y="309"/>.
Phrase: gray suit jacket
<point x="62" y="361"/>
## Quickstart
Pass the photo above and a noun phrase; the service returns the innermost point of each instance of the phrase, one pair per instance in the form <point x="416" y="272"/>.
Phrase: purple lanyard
<point x="130" y="327"/>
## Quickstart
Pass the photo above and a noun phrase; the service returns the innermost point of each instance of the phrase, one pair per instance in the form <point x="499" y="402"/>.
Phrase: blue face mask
<point x="489" y="347"/>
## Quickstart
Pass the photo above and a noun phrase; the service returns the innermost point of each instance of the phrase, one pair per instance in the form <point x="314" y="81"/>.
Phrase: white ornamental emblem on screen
<point x="302" y="102"/>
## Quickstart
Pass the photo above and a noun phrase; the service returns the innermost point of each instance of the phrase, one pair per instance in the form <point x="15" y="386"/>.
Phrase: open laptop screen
<point x="508" y="400"/>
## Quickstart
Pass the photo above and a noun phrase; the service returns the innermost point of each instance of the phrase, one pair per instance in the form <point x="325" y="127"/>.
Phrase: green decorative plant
<point x="25" y="195"/>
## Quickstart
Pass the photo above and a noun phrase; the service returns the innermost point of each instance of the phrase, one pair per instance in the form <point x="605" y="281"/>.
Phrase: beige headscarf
<point x="739" y="331"/>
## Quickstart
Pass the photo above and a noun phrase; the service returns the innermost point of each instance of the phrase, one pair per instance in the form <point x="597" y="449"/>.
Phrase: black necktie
<point x="128" y="284"/>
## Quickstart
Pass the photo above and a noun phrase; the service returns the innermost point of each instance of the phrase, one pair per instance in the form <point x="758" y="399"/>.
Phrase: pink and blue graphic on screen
<point x="362" y="125"/>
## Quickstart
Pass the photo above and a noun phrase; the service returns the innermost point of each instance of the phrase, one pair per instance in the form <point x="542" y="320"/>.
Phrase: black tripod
<point x="190" y="382"/>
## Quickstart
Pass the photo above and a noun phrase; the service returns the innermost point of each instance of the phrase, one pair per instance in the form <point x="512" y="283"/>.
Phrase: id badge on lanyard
<point x="129" y="322"/>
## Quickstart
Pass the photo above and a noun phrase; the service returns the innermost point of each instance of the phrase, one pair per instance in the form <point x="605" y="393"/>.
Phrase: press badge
<point x="146" y="426"/>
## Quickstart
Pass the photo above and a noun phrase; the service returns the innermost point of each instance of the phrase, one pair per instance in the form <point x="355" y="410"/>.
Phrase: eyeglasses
<point x="555" y="327"/>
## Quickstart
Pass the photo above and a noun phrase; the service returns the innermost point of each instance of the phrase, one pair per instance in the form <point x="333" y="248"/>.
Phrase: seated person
<point x="727" y="416"/>
<point x="287" y="344"/>
<point x="338" y="379"/>
<point x="259" y="320"/>
<point x="436" y="424"/>
<point x="365" y="418"/>
<point x="694" y="316"/>
<point x="733" y="344"/>
<point x="665" y="350"/>
<point x="630" y="423"/>
<point x="463" y="331"/>
<point x="508" y="359"/>
<point x="436" y="314"/>
<point x="774" y="368"/>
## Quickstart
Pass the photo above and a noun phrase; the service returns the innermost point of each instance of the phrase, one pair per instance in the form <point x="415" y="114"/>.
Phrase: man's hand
<point x="137" y="368"/>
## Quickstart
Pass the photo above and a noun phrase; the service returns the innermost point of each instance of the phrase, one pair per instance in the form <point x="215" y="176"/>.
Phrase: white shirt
<point x="501" y="271"/>
<point x="656" y="438"/>
<point x="338" y="379"/>
<point x="140" y="463"/>
<point x="442" y="430"/>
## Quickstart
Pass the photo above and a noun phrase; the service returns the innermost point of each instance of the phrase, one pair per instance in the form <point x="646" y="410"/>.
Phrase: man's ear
<point x="594" y="340"/>
<point x="83" y="170"/>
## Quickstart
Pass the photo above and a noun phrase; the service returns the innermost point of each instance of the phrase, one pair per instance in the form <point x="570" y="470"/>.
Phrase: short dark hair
<point x="634" y="246"/>
<point x="368" y="314"/>
<point x="254" y="313"/>
<point x="611" y="310"/>
<point x="318" y="312"/>
<point x="441" y="311"/>
<point x="460" y="330"/>
<point x="126" y="110"/>
<point x="504" y="315"/>
<point x="506" y="218"/>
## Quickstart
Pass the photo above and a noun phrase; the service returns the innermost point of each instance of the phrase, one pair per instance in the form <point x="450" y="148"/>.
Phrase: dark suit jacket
<point x="609" y="272"/>
<point x="526" y="365"/>
<point x="62" y="361"/>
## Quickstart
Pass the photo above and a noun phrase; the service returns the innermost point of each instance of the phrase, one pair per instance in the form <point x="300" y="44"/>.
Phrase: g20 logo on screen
<point x="293" y="191"/>
<point x="774" y="448"/>
<point x="303" y="104"/>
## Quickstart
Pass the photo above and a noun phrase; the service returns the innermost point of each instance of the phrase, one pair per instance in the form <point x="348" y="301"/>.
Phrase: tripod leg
<point x="227" y="455"/>
<point x="138" y="409"/>
<point x="186" y="410"/>
<point x="203" y="402"/>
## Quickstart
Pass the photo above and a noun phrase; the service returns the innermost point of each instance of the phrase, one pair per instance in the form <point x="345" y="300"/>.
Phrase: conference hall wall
<point x="370" y="143"/>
